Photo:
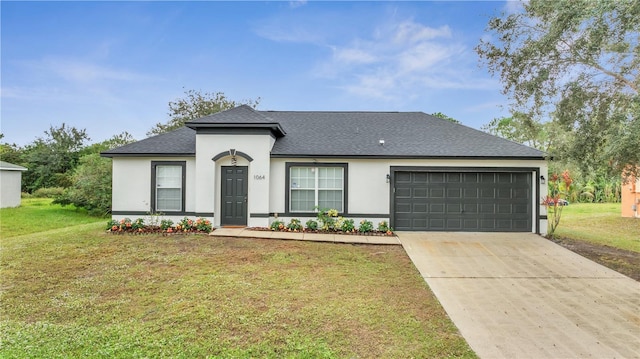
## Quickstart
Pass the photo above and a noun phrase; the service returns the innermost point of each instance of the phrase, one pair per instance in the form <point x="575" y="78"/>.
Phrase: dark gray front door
<point x="234" y="196"/>
<point x="463" y="201"/>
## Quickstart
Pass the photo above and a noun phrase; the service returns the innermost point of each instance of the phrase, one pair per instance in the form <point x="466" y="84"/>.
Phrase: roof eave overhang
<point x="275" y="128"/>
<point x="111" y="155"/>
<point x="527" y="158"/>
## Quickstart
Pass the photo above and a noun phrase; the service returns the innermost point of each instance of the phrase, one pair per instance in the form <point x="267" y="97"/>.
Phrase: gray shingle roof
<point x="179" y="142"/>
<point x="348" y="134"/>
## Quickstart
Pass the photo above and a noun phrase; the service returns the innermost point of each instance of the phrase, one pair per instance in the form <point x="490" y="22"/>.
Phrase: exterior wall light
<point x="543" y="180"/>
<point x="388" y="178"/>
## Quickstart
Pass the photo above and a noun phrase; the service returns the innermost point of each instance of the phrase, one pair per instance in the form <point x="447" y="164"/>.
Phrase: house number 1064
<point x="259" y="177"/>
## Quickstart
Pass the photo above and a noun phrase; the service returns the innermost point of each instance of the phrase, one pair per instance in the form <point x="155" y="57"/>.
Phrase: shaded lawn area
<point x="80" y="292"/>
<point x="38" y="214"/>
<point x="600" y="223"/>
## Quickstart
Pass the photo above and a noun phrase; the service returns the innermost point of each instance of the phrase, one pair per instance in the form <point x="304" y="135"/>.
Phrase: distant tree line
<point x="64" y="165"/>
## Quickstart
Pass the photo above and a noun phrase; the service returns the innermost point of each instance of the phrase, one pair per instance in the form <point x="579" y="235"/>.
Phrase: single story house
<point x="244" y="167"/>
<point x="10" y="184"/>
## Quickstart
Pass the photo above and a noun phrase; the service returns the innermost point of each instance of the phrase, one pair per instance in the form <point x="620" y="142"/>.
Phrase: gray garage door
<point x="463" y="201"/>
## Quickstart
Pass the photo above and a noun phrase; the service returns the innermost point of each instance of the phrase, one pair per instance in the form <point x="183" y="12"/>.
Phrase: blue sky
<point x="110" y="67"/>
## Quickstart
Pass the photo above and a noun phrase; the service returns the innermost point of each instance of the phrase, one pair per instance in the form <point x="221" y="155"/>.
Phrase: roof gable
<point x="241" y="118"/>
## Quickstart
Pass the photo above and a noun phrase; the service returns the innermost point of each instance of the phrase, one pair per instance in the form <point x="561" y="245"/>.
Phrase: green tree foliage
<point x="194" y="105"/>
<point x="522" y="129"/>
<point x="444" y="117"/>
<point x="91" y="185"/>
<point x="49" y="159"/>
<point x="91" y="180"/>
<point x="577" y="63"/>
<point x="10" y="152"/>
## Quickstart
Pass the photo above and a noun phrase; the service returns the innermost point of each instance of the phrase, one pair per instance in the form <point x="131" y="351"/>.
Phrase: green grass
<point x="600" y="223"/>
<point x="80" y="292"/>
<point x="38" y="214"/>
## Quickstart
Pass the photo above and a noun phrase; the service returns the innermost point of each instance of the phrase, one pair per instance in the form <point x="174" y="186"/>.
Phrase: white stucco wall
<point x="258" y="147"/>
<point x="131" y="186"/>
<point x="10" y="181"/>
<point x="369" y="192"/>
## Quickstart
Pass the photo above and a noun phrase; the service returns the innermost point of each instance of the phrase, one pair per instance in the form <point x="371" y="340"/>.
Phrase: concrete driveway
<point x="522" y="296"/>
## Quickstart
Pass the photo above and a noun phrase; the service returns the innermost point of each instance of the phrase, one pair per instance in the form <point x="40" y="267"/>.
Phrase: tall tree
<point x="91" y="180"/>
<point x="51" y="158"/>
<point x="522" y="129"/>
<point x="576" y="62"/>
<point x="194" y="105"/>
<point x="444" y="117"/>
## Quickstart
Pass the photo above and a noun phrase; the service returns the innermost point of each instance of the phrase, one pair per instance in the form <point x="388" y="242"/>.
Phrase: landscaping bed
<point x="165" y="226"/>
<point x="305" y="230"/>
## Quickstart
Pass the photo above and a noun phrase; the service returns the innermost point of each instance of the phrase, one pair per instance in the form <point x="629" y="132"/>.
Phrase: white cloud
<point x="402" y="59"/>
<point x="78" y="71"/>
<point x="354" y="56"/>
<point x="408" y="32"/>
<point x="297" y="3"/>
<point x="514" y="6"/>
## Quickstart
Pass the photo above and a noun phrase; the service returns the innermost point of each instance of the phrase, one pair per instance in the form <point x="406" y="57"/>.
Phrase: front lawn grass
<point x="80" y="292"/>
<point x="600" y="223"/>
<point x="38" y="214"/>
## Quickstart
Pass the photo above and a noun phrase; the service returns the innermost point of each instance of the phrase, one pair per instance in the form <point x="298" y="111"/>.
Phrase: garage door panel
<point x="454" y="192"/>
<point x="420" y="192"/>
<point x="436" y="208"/>
<point x="437" y="224"/>
<point x="420" y="178"/>
<point x="463" y="201"/>
<point x="436" y="177"/>
<point x="436" y="193"/>
<point x="403" y="177"/>
<point x="454" y="224"/>
<point x="420" y="208"/>
<point x="403" y="192"/>
<point x="470" y="208"/>
<point x="487" y="208"/>
<point x="403" y="208"/>
<point x="504" y="209"/>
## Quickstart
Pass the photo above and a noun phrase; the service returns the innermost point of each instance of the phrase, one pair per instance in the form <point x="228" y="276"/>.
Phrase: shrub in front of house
<point x="311" y="225"/>
<point x="294" y="225"/>
<point x="166" y="226"/>
<point x="328" y="221"/>
<point x="365" y="226"/>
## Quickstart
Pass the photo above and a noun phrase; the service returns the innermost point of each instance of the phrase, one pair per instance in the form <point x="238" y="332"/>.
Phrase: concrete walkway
<point x="301" y="236"/>
<point x="522" y="296"/>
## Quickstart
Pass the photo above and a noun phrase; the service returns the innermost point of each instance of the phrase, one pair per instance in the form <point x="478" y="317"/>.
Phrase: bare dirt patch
<point x="620" y="260"/>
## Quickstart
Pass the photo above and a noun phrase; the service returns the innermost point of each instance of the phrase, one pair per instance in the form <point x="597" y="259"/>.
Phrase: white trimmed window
<point x="168" y="183"/>
<point x="312" y="187"/>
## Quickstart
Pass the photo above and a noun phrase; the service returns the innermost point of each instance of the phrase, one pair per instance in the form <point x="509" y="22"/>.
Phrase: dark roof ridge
<point x="312" y="111"/>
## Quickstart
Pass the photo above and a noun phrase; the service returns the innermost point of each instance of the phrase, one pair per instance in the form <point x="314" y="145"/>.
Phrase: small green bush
<point x="48" y="192"/>
<point x="204" y="225"/>
<point x="365" y="226"/>
<point x="138" y="224"/>
<point x="311" y="225"/>
<point x="327" y="219"/>
<point x="276" y="225"/>
<point x="348" y="226"/>
<point x="383" y="226"/>
<point x="166" y="224"/>
<point x="294" y="225"/>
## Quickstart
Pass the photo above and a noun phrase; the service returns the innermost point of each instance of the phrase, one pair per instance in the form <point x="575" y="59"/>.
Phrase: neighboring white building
<point x="244" y="167"/>
<point x="10" y="182"/>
